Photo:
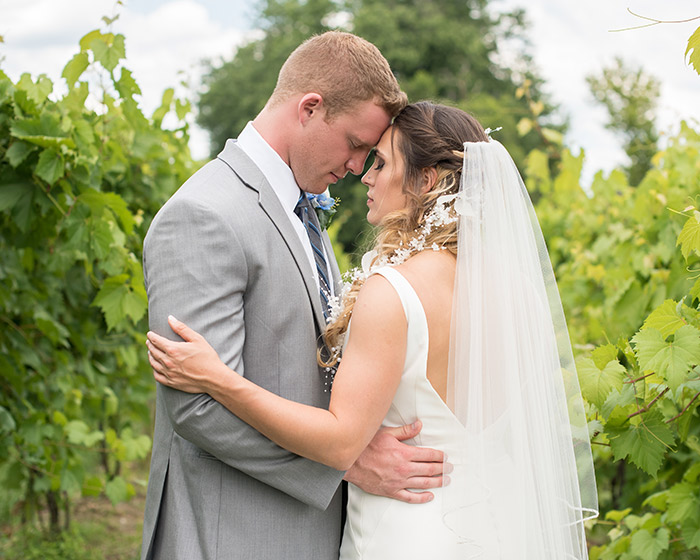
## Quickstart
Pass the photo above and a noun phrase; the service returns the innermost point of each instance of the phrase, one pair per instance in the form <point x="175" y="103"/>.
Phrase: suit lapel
<point x="251" y="176"/>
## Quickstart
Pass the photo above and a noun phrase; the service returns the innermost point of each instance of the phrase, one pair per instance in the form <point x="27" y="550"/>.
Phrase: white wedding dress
<point x="379" y="528"/>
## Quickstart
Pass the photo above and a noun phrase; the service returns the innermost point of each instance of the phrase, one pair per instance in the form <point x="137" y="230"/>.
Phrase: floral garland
<point x="442" y="214"/>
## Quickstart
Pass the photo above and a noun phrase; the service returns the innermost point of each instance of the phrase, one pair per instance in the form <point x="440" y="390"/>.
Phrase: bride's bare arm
<point x="363" y="389"/>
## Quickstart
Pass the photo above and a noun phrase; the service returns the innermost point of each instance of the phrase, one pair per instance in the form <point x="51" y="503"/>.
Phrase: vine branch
<point x="682" y="412"/>
<point x="647" y="407"/>
<point x="653" y="22"/>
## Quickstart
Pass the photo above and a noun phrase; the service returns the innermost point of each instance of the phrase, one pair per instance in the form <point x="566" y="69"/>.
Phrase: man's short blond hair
<point x="344" y="69"/>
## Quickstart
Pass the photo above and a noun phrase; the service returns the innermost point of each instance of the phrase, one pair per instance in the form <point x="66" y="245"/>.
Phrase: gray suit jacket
<point x="222" y="256"/>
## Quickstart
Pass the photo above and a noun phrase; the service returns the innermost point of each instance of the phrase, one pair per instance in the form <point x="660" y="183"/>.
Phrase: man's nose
<point x="356" y="163"/>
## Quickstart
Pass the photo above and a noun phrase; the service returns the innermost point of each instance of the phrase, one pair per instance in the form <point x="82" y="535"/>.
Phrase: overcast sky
<point x="570" y="40"/>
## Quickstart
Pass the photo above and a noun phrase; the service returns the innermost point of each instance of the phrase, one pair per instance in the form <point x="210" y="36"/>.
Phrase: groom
<point x="227" y="255"/>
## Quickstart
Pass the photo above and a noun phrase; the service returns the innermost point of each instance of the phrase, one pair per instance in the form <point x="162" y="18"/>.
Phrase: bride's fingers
<point x="158" y="341"/>
<point x="187" y="334"/>
<point x="157" y="355"/>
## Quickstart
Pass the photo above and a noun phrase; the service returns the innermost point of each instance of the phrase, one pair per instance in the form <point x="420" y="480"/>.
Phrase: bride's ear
<point x="429" y="178"/>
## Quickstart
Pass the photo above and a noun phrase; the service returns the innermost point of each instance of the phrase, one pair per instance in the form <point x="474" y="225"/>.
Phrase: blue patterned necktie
<point x="302" y="210"/>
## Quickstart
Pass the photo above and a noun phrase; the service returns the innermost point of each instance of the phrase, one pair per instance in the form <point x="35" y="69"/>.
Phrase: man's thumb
<point x="406" y="431"/>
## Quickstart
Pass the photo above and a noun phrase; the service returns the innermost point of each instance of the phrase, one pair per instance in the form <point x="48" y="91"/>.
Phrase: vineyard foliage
<point x="627" y="260"/>
<point x="80" y="177"/>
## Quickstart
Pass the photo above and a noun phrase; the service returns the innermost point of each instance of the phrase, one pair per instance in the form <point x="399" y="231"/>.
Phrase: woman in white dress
<point x="456" y="322"/>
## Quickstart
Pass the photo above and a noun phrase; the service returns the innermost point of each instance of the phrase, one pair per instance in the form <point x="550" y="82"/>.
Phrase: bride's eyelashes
<point x="378" y="164"/>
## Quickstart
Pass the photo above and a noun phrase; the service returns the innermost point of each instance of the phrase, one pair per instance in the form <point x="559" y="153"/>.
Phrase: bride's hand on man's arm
<point x="192" y="366"/>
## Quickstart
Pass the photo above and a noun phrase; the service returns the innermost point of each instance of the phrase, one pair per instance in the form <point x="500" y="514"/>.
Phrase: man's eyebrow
<point x="360" y="143"/>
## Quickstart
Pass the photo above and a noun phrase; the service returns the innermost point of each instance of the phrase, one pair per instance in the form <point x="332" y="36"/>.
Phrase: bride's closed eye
<point x="378" y="163"/>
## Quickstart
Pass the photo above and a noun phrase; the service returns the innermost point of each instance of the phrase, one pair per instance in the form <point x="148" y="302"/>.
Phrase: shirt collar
<point x="277" y="173"/>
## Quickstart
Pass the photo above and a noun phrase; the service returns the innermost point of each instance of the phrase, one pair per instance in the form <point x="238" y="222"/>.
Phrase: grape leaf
<point x="672" y="360"/>
<point x="644" y="444"/>
<point x="691" y="531"/>
<point x="665" y="318"/>
<point x="596" y="383"/>
<point x="694" y="45"/>
<point x="75" y="67"/>
<point x="689" y="237"/>
<point x="18" y="152"/>
<point x="683" y="502"/>
<point x="646" y="546"/>
<point x="50" y="166"/>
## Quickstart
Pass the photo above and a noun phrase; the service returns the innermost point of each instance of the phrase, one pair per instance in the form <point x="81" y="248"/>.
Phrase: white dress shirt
<point x="281" y="178"/>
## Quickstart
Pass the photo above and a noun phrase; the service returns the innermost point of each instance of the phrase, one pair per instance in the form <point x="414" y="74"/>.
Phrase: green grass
<point x="99" y="531"/>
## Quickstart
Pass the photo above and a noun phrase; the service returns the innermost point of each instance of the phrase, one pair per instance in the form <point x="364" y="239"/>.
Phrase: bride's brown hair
<point x="427" y="136"/>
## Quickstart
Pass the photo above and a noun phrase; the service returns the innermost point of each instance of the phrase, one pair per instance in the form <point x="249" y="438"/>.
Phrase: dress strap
<point x="408" y="296"/>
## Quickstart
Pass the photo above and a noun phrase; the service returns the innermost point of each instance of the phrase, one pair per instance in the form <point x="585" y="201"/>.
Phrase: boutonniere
<point x="325" y="207"/>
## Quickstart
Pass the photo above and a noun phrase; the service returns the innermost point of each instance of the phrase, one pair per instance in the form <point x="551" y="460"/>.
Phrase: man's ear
<point x="429" y="178"/>
<point x="310" y="106"/>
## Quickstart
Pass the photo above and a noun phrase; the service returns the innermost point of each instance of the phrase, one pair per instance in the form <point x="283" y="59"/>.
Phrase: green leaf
<point x="127" y="86"/>
<point x="617" y="516"/>
<point x="97" y="201"/>
<point x="37" y="91"/>
<point x="665" y="318"/>
<point x="689" y="237"/>
<point x="18" y="152"/>
<point x="672" y="360"/>
<point x="89" y="38"/>
<point x="77" y="431"/>
<point x="70" y="482"/>
<point x="118" y="299"/>
<point x="646" y="546"/>
<point x="92" y="486"/>
<point x="683" y="502"/>
<point x="691" y="532"/>
<point x="45" y="131"/>
<point x="118" y="490"/>
<point x="59" y="418"/>
<point x="50" y="167"/>
<point x="597" y="384"/>
<point x="74" y="69"/>
<point x="644" y="444"/>
<point x="602" y="355"/>
<point x="694" y="45"/>
<point x="10" y="194"/>
<point x="109" y="50"/>
<point x="7" y="422"/>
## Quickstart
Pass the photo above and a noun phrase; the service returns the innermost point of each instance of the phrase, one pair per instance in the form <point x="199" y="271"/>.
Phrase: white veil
<point x="523" y="481"/>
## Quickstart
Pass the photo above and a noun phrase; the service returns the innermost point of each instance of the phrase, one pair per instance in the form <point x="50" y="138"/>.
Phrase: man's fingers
<point x="405" y="432"/>
<point x="413" y="497"/>
<point x="424" y="455"/>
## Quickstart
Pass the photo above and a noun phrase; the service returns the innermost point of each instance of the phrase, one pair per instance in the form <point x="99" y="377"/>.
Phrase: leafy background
<point x="83" y="172"/>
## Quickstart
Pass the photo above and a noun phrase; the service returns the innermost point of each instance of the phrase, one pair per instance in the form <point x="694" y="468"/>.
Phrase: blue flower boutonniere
<point x="325" y="207"/>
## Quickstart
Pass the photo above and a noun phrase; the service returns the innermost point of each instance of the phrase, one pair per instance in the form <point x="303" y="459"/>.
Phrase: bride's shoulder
<point x="429" y="262"/>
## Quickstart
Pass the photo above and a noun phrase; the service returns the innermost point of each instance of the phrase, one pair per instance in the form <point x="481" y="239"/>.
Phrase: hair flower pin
<point x="325" y="207"/>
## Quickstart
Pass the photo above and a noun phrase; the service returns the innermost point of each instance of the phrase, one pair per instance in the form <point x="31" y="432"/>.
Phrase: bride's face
<point x="385" y="180"/>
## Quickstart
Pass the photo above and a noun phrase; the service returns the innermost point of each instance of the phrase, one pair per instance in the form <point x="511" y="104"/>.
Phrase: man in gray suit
<point x="227" y="255"/>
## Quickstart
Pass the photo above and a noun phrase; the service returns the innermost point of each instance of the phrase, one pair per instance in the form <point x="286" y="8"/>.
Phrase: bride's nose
<point x="366" y="179"/>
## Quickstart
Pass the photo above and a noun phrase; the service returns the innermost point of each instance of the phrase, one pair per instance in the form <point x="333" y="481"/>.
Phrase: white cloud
<point x="573" y="39"/>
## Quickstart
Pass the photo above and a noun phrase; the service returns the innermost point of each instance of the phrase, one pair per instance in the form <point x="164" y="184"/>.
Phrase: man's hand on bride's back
<point x="388" y="467"/>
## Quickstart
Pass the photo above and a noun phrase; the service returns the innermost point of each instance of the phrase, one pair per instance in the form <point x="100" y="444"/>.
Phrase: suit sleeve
<point x="196" y="270"/>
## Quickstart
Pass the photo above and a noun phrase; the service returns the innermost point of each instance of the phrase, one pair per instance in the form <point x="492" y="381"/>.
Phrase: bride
<point x="456" y="321"/>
